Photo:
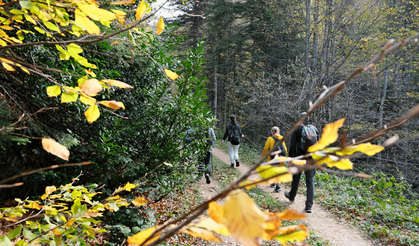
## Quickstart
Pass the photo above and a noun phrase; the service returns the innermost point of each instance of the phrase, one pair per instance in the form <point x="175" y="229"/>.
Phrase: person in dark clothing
<point x="299" y="147"/>
<point x="232" y="132"/>
<point x="204" y="166"/>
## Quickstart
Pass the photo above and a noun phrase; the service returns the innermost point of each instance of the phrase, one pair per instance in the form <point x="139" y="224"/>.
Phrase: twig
<point x="44" y="169"/>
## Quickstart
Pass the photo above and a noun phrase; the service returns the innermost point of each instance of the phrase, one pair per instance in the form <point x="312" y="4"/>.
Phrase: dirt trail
<point x="322" y="222"/>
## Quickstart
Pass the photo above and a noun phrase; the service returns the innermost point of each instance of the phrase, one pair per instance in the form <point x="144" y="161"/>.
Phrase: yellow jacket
<point x="270" y="142"/>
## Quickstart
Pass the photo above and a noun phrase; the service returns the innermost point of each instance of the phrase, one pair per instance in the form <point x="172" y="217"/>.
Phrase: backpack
<point x="280" y="147"/>
<point x="209" y="139"/>
<point x="308" y="137"/>
<point x="234" y="135"/>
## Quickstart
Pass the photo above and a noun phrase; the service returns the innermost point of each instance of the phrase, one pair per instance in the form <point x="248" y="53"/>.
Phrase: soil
<point x="323" y="223"/>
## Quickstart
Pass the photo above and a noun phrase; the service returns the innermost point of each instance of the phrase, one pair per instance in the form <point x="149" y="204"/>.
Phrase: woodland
<point x="98" y="96"/>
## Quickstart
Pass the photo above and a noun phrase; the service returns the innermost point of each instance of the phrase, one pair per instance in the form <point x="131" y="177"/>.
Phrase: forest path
<point x="320" y="221"/>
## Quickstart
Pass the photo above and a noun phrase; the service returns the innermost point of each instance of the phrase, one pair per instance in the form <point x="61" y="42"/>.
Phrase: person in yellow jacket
<point x="270" y="142"/>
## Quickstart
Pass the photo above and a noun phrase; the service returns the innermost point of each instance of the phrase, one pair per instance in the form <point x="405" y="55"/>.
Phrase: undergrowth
<point x="382" y="206"/>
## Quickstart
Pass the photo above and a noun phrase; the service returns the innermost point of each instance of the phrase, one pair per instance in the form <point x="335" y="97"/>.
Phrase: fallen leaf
<point x="139" y="201"/>
<point x="140" y="237"/>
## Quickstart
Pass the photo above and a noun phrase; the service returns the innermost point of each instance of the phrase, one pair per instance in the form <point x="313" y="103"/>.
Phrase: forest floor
<point x="323" y="223"/>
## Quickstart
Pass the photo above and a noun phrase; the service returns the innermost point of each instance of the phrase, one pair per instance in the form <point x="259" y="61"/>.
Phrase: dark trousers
<point x="309" y="183"/>
<point x="204" y="164"/>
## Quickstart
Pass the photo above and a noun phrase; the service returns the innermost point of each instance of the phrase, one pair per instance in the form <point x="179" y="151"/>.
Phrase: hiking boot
<point x="308" y="210"/>
<point x="287" y="195"/>
<point x="232" y="165"/>
<point x="277" y="188"/>
<point x="272" y="185"/>
<point x="237" y="164"/>
<point x="207" y="177"/>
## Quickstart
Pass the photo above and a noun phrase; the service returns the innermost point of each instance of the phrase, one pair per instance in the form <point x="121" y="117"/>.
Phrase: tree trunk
<point x="215" y="91"/>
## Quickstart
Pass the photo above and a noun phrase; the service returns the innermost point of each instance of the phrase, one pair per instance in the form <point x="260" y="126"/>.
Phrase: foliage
<point x="68" y="215"/>
<point x="384" y="207"/>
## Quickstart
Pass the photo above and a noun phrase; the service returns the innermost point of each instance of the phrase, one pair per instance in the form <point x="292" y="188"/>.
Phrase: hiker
<point x="233" y="133"/>
<point x="270" y="142"/>
<point x="204" y="165"/>
<point x="302" y="138"/>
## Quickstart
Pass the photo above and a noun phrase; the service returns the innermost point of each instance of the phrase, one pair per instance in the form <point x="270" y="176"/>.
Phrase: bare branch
<point x="44" y="169"/>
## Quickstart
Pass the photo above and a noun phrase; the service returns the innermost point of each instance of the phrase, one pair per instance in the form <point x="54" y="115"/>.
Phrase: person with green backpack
<point x="233" y="133"/>
<point x="270" y="143"/>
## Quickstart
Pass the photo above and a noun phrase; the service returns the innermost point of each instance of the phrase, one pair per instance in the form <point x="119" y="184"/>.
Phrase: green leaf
<point x="4" y="241"/>
<point x="14" y="233"/>
<point x="28" y="234"/>
<point x="51" y="26"/>
<point x="16" y="12"/>
<point x="77" y="209"/>
<point x="39" y="30"/>
<point x="25" y="4"/>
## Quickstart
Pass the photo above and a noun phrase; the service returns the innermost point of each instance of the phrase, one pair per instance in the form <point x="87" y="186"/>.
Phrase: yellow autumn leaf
<point x="298" y="236"/>
<point x="139" y="201"/>
<point x="292" y="228"/>
<point x="268" y="171"/>
<point x="96" y="13"/>
<point x="330" y="134"/>
<point x="86" y="23"/>
<point x="8" y="67"/>
<point x="202" y="233"/>
<point x="160" y="26"/>
<point x="91" y="87"/>
<point x="25" y="70"/>
<point x="127" y="187"/>
<point x="68" y="97"/>
<point x="119" y="12"/>
<point x="9" y="28"/>
<point x="117" y="83"/>
<point x="113" y="104"/>
<point x="272" y="224"/>
<point x="140" y="10"/>
<point x="92" y="113"/>
<point x="90" y="72"/>
<point x="87" y="100"/>
<point x="211" y="225"/>
<point x="367" y="148"/>
<point x="48" y="191"/>
<point x="299" y="162"/>
<point x="216" y="212"/>
<point x="248" y="184"/>
<point x="170" y="74"/>
<point x="34" y="205"/>
<point x="55" y="148"/>
<point x="70" y="222"/>
<point x="140" y="237"/>
<point x="333" y="161"/>
<point x="243" y="218"/>
<point x="120" y="2"/>
<point x="290" y="214"/>
<point x="53" y="90"/>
